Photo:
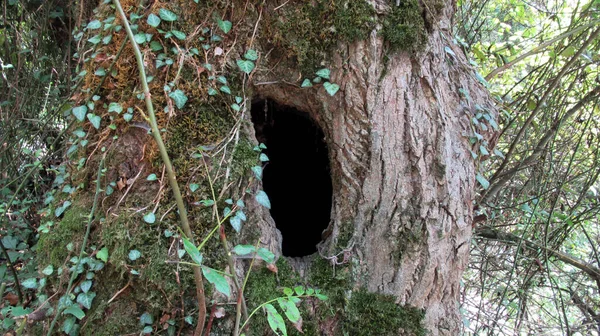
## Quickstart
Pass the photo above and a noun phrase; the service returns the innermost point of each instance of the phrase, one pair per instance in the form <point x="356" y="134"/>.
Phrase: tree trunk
<point x="403" y="174"/>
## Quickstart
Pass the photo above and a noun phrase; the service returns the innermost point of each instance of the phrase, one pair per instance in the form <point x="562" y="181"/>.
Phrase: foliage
<point x="534" y="262"/>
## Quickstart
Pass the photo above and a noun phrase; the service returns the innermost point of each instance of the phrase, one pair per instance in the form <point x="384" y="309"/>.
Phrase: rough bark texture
<point x="402" y="171"/>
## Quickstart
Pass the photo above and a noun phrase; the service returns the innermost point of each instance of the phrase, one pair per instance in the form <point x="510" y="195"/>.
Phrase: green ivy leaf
<point x="263" y="157"/>
<point x="222" y="80"/>
<point x="251" y="55"/>
<point x="262" y="199"/>
<point x="19" y="311"/>
<point x="152" y="177"/>
<point x="85" y="286"/>
<point x="102" y="254"/>
<point x="115" y="107"/>
<point x="85" y="299"/>
<point x="75" y="311"/>
<point x="134" y="255"/>
<point x="79" y="112"/>
<point x="483" y="181"/>
<point x="257" y="170"/>
<point x="94" y="25"/>
<point x="167" y="15"/>
<point x="48" y="270"/>
<point x="150" y="218"/>
<point x="192" y="250"/>
<point x="236" y="223"/>
<point x="179" y="97"/>
<point x="226" y="89"/>
<point x="323" y="73"/>
<point x="100" y="72"/>
<point x="178" y="34"/>
<point x="216" y="279"/>
<point x="30" y="283"/>
<point x="68" y="325"/>
<point x="95" y="39"/>
<point x="331" y="88"/>
<point x="194" y="186"/>
<point x="94" y="119"/>
<point x="306" y="83"/>
<point x="107" y="39"/>
<point x="236" y="107"/>
<point x="146" y="319"/>
<point x="225" y="26"/>
<point x="128" y="117"/>
<point x="153" y="20"/>
<point x="245" y="66"/>
<point x="140" y="38"/>
<point x="155" y="46"/>
<point x="212" y="92"/>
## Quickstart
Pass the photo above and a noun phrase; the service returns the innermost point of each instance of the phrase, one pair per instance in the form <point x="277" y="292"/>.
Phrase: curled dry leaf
<point x="272" y="268"/>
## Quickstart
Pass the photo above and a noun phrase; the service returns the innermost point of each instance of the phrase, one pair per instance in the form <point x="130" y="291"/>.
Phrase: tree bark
<point x="403" y="173"/>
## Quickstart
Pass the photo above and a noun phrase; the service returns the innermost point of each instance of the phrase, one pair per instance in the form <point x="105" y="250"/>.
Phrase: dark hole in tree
<point x="297" y="178"/>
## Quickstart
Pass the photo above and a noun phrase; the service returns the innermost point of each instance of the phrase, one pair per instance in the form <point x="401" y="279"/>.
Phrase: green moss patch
<point x="377" y="314"/>
<point x="52" y="246"/>
<point x="404" y="27"/>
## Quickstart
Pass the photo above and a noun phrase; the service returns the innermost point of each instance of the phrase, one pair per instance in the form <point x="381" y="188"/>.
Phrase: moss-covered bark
<point x="392" y="122"/>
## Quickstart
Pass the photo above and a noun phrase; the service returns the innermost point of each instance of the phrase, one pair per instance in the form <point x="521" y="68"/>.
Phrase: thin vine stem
<point x="185" y="225"/>
<point x="83" y="244"/>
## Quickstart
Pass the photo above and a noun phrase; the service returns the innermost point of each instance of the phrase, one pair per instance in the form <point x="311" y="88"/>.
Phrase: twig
<point x="170" y="172"/>
<point x="119" y="292"/>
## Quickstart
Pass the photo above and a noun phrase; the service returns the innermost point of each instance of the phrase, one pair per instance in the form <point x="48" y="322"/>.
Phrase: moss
<point x="404" y="27"/>
<point x="308" y="31"/>
<point x="52" y="246"/>
<point x="378" y="314"/>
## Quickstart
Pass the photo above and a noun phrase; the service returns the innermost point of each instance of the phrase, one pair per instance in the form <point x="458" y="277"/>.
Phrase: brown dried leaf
<point x="272" y="268"/>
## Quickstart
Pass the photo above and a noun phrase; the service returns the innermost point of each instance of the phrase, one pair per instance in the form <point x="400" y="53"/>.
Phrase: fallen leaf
<point x="298" y="325"/>
<point x="12" y="299"/>
<point x="219" y="312"/>
<point x="272" y="268"/>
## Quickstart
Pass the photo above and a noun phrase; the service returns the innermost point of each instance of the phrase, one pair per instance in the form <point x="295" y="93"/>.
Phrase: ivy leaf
<point x="251" y="55"/>
<point x="95" y="39"/>
<point x="192" y="251"/>
<point x="245" y="66"/>
<point x="115" y="107"/>
<point x="79" y="112"/>
<point x="263" y="199"/>
<point x="134" y="255"/>
<point x="263" y="157"/>
<point x="94" y="25"/>
<point x="100" y="72"/>
<point x="30" y="283"/>
<point x="140" y="38"/>
<point x="107" y="39"/>
<point x="257" y="170"/>
<point x="225" y="26"/>
<point x="153" y="20"/>
<point x="306" y="83"/>
<point x="85" y="299"/>
<point x="94" y="119"/>
<point x="150" y="218"/>
<point x="483" y="181"/>
<point x="178" y="34"/>
<point x="127" y="117"/>
<point x="152" y="177"/>
<point x="102" y="254"/>
<point x="75" y="311"/>
<point x="331" y="88"/>
<point x="85" y="286"/>
<point x="68" y="325"/>
<point x="146" y="318"/>
<point x="323" y="73"/>
<point x="275" y="320"/>
<point x="236" y="223"/>
<point x="48" y="270"/>
<point x="226" y="89"/>
<point x="194" y="187"/>
<point x="236" y="107"/>
<point x="179" y="97"/>
<point x="216" y="279"/>
<point x="167" y="15"/>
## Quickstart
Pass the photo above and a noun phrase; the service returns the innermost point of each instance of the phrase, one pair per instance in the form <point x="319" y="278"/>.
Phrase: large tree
<point x="396" y="109"/>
